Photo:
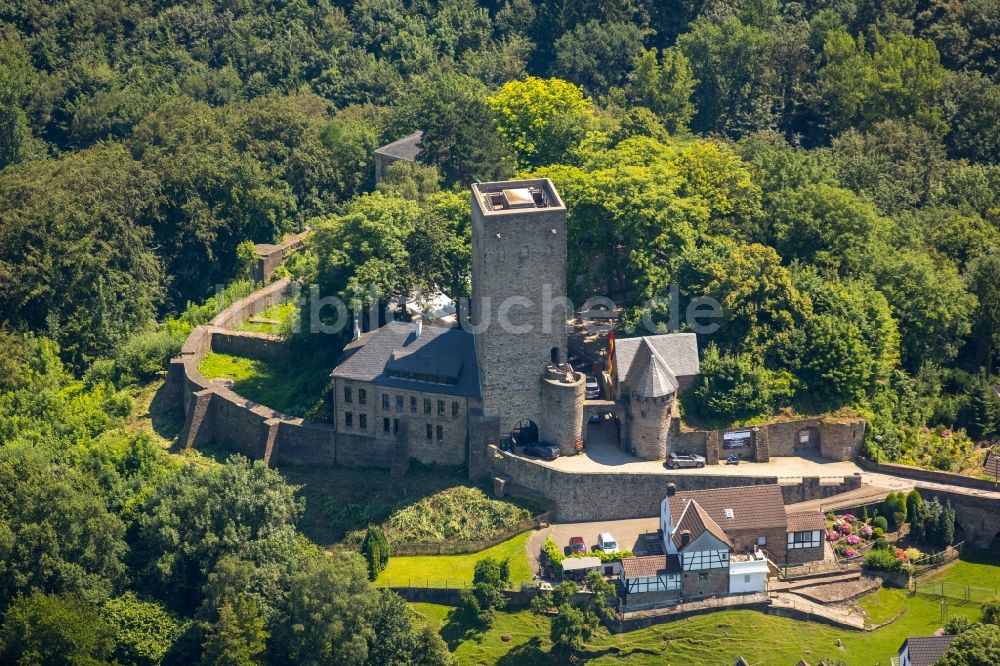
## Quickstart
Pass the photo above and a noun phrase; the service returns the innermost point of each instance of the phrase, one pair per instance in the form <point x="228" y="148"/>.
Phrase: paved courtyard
<point x="603" y="455"/>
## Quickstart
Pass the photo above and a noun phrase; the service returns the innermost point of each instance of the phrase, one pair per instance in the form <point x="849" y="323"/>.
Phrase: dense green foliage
<point x="978" y="646"/>
<point x="829" y="173"/>
<point x="375" y="548"/>
<point x="490" y="578"/>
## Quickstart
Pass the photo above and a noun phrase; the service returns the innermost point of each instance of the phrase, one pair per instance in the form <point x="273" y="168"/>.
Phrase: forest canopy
<point x="829" y="172"/>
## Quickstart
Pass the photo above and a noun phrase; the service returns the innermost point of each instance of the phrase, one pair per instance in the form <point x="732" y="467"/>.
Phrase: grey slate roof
<point x="925" y="650"/>
<point x="406" y="148"/>
<point x="446" y="352"/>
<point x="675" y="354"/>
<point x="649" y="375"/>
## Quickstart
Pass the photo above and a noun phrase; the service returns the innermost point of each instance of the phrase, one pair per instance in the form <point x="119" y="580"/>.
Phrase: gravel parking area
<point x="627" y="532"/>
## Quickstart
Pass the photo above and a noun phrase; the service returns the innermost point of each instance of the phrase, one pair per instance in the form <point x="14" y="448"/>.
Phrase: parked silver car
<point x="593" y="388"/>
<point x="678" y="460"/>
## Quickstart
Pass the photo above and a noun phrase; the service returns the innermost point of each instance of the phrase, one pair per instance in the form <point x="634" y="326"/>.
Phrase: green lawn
<point x="296" y="387"/>
<point x="281" y="312"/>
<point x="455" y="570"/>
<point x="719" y="638"/>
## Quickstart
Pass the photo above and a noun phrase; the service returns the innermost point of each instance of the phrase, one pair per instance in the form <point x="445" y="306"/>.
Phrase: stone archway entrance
<point x="524" y="433"/>
<point x="807" y="441"/>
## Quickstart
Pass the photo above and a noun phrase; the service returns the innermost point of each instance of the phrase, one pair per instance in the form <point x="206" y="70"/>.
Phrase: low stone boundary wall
<point x="248" y="306"/>
<point x="592" y="496"/>
<point x="933" y="476"/>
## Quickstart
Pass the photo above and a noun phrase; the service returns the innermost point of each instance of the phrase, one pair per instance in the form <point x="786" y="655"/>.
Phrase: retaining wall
<point x="933" y="476"/>
<point x="263" y="346"/>
<point x="592" y="496"/>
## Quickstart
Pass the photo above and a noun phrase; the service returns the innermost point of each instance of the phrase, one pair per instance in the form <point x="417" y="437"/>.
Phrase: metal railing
<point x="962" y="593"/>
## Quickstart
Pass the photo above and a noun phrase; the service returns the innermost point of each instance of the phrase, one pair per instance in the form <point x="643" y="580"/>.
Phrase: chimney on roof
<point x="671" y="489"/>
<point x="357" y="329"/>
<point x="420" y="328"/>
<point x="685" y="537"/>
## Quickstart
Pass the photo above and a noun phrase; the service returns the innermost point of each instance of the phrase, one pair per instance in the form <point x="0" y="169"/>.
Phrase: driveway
<point x="627" y="532"/>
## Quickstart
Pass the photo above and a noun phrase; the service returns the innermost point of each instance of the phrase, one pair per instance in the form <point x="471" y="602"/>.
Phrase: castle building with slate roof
<point x="443" y="395"/>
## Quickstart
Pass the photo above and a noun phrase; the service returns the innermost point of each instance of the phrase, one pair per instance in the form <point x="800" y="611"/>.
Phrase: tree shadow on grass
<point x="526" y="654"/>
<point x="458" y="629"/>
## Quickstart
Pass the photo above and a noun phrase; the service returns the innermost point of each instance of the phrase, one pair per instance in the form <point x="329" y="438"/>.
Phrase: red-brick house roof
<point x="806" y="521"/>
<point x="740" y="507"/>
<point x="696" y="521"/>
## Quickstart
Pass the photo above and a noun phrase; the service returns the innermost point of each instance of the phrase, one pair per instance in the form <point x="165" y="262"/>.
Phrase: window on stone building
<point x="440" y="433"/>
<point x="642" y="413"/>
<point x="399" y="403"/>
<point x="347" y="394"/>
<point x="349" y="419"/>
<point x="363" y="421"/>
<point x="702" y="576"/>
<point x="427" y="405"/>
<point x="430" y="431"/>
<point x="746" y="578"/>
<point x="385" y="401"/>
<point x="440" y="407"/>
<point x="454" y="409"/>
<point x="762" y="541"/>
<point x="395" y="426"/>
<point x="385" y="425"/>
<point x="362" y="396"/>
<point x="413" y="404"/>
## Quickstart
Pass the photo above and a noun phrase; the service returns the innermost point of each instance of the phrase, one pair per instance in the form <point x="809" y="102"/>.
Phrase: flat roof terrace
<point x="516" y="196"/>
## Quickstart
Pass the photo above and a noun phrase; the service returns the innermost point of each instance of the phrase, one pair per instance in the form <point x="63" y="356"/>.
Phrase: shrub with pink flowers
<point x="853" y="539"/>
<point x="866" y="531"/>
<point x="831" y="536"/>
<point x="844" y="528"/>
<point x="848" y="518"/>
<point x="850" y="552"/>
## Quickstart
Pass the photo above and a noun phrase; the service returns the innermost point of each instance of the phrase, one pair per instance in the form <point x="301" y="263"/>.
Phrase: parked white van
<point x="607" y="543"/>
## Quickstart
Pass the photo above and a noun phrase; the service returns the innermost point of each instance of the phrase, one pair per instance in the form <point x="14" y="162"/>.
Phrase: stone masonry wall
<point x="518" y="267"/>
<point x="261" y="346"/>
<point x="562" y="410"/>
<point x="649" y="425"/>
<point x="840" y="439"/>
<point x="591" y="496"/>
<point x="450" y="450"/>
<point x="214" y="413"/>
<point x="270" y="256"/>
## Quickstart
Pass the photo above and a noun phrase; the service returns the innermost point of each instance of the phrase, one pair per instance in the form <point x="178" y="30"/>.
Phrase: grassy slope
<point x="720" y="637"/>
<point x="455" y="570"/>
<point x="282" y="386"/>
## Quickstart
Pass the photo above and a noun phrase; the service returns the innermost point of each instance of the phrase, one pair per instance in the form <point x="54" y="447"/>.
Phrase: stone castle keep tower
<point x="519" y="275"/>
